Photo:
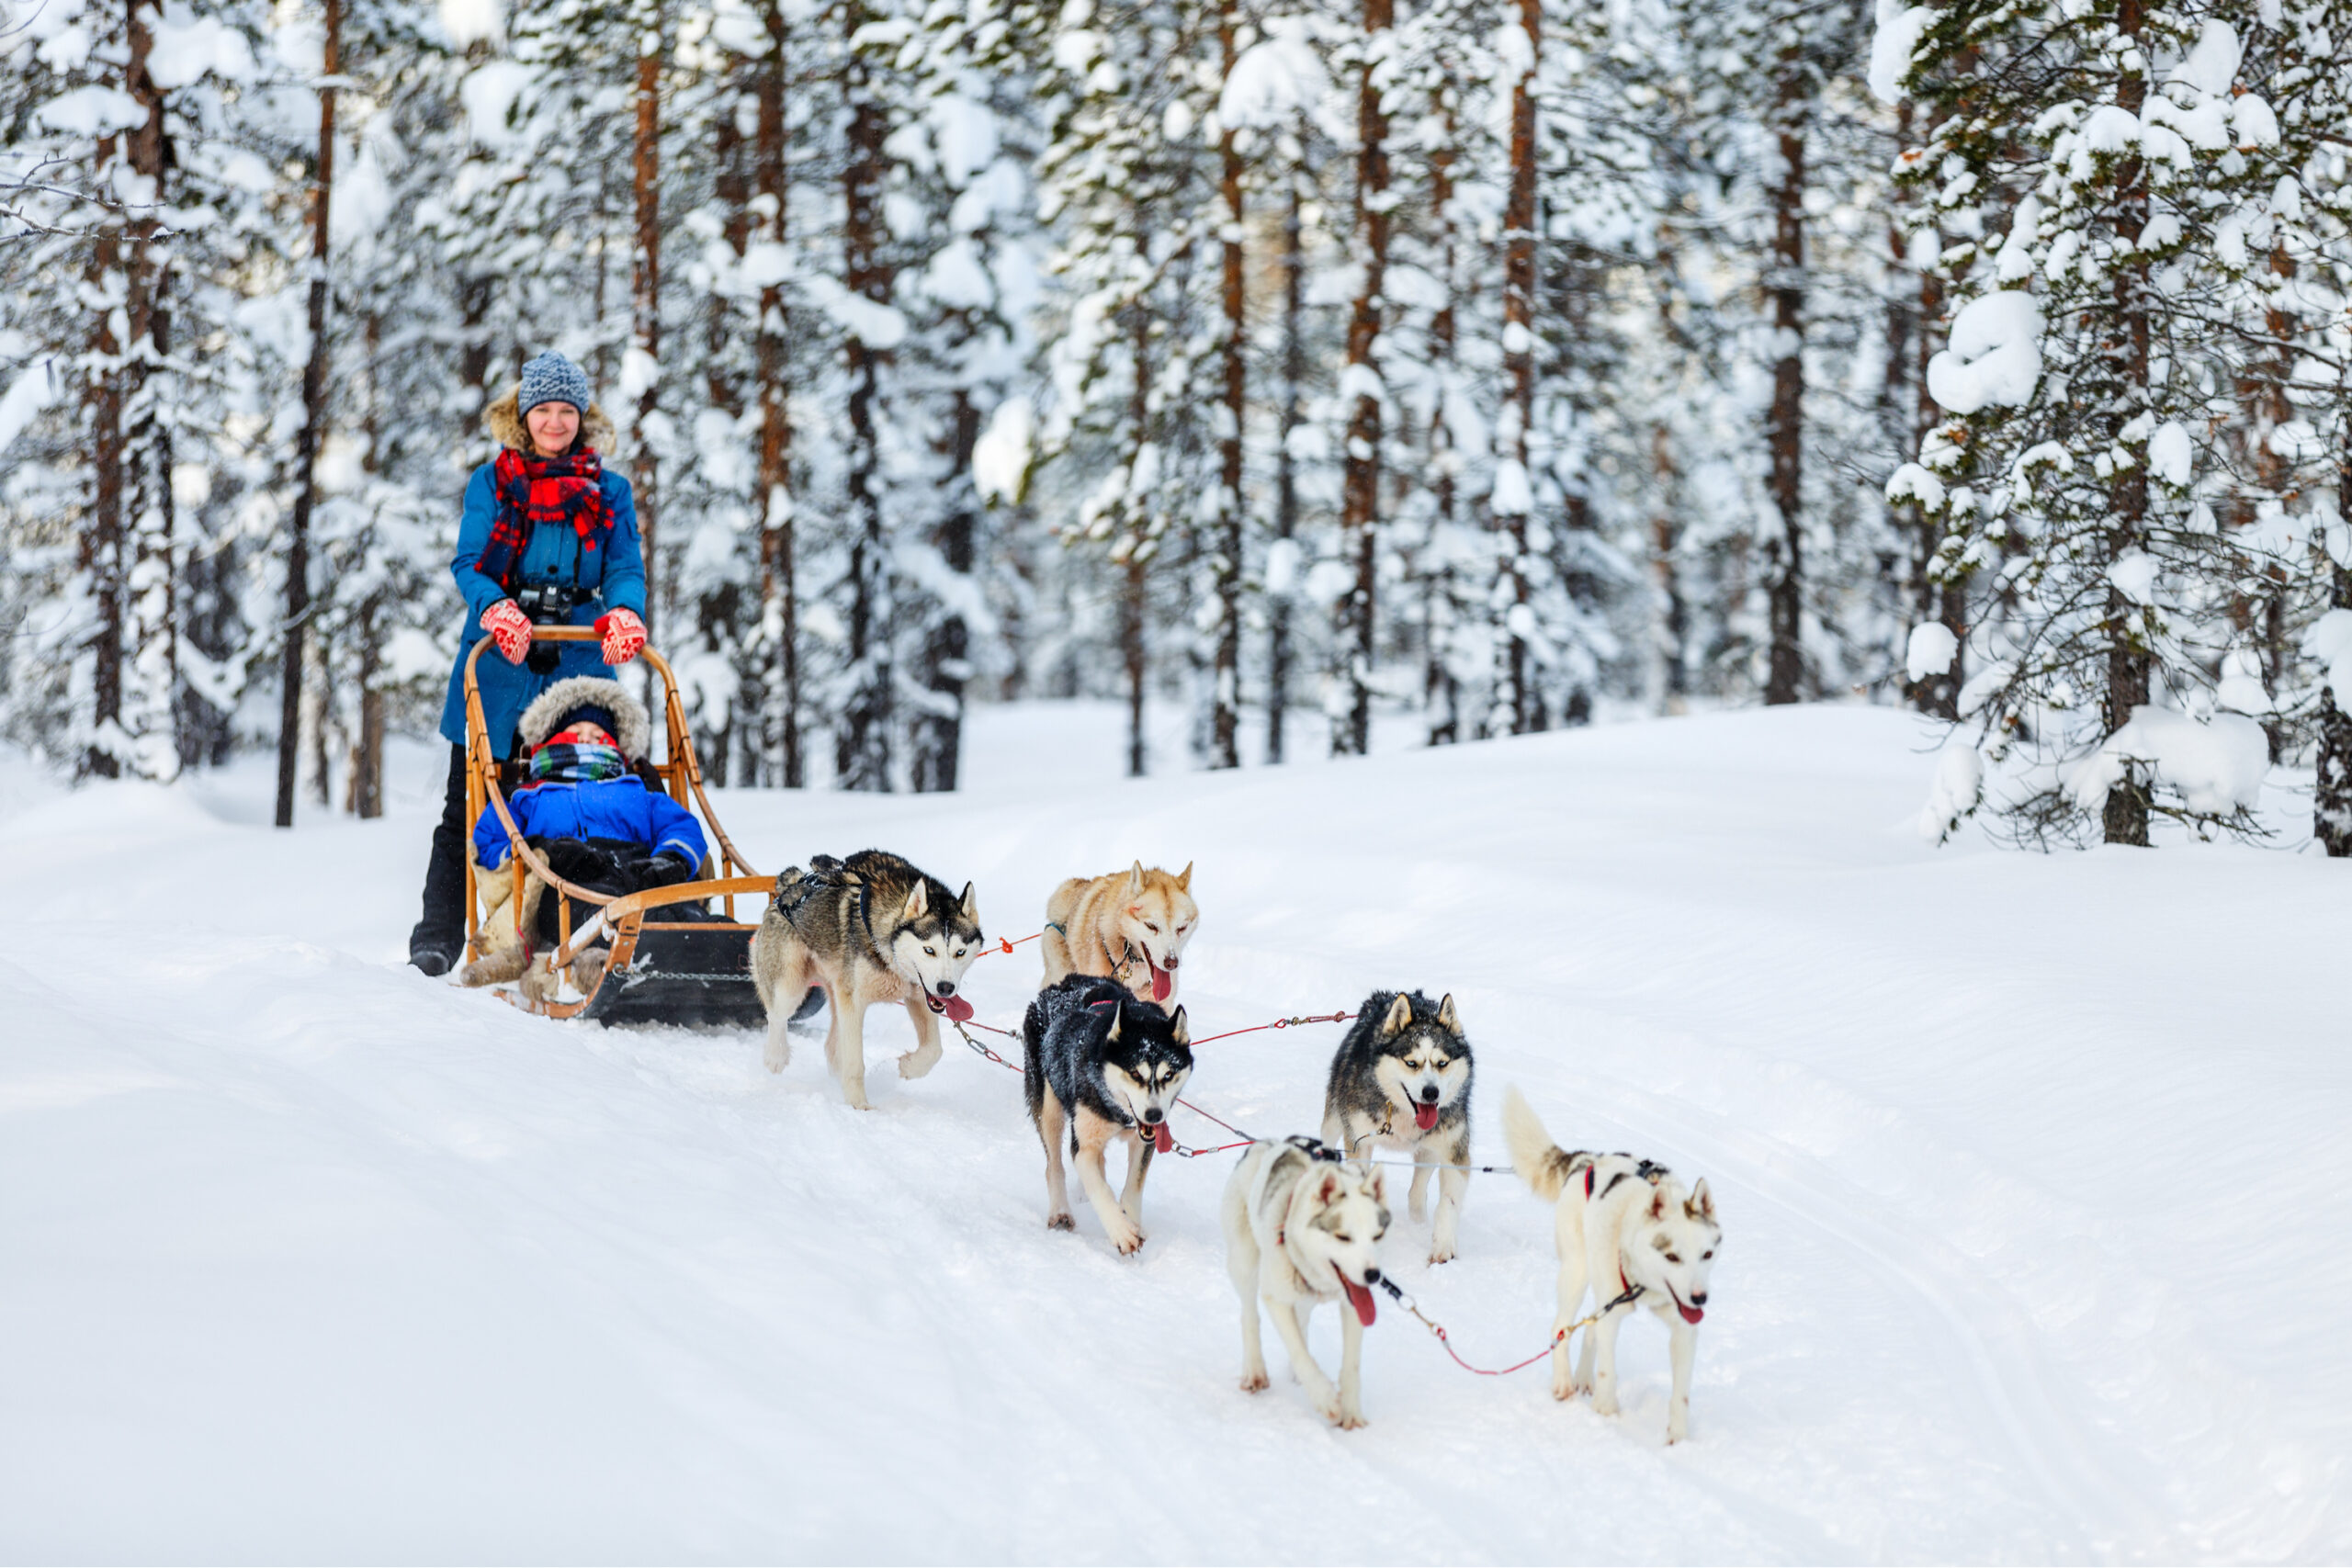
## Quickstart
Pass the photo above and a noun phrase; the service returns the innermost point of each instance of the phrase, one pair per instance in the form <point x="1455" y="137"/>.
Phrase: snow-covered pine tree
<point x="2086" y="384"/>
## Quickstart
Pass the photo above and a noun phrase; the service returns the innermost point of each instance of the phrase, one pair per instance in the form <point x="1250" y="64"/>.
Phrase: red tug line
<point x="1445" y="1341"/>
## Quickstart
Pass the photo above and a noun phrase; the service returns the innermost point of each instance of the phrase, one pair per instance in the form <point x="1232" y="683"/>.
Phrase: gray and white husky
<point x="1626" y="1230"/>
<point x="1108" y="1068"/>
<point x="1401" y="1080"/>
<point x="865" y="929"/>
<point x="1302" y="1227"/>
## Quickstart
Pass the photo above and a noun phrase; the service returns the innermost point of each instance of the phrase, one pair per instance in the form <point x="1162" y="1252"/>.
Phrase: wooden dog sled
<point x="662" y="971"/>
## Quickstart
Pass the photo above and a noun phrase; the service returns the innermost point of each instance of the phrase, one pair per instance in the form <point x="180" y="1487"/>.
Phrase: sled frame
<point x="627" y="917"/>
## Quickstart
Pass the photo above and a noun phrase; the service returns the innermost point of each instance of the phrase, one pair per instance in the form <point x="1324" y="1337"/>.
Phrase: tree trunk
<point x="1519" y="369"/>
<point x="1785" y="590"/>
<point x="645" y="316"/>
<point x="1132" y="604"/>
<point x="99" y="554"/>
<point x="152" y="586"/>
<point x="938" y="739"/>
<point x="1441" y="691"/>
<point x="305" y="446"/>
<point x="779" y="600"/>
<point x="2331" y="802"/>
<point x="862" y="752"/>
<point x="1225" y="711"/>
<point x="1285" y="470"/>
<point x="2125" y="818"/>
<point x="1360" y="488"/>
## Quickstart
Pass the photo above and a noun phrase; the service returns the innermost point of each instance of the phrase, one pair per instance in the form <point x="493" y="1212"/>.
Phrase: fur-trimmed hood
<point x="632" y="729"/>
<point x="503" y="420"/>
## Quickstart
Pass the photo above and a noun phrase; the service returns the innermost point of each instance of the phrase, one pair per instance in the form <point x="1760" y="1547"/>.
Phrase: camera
<point x="549" y="605"/>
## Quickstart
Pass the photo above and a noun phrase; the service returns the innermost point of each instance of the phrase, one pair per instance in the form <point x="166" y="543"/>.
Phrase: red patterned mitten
<point x="511" y="627"/>
<point x="623" y="633"/>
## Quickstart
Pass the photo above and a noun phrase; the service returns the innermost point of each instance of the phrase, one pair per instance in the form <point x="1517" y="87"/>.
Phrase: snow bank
<point x="1960" y="785"/>
<point x="311" y="1258"/>
<point x="2217" y="767"/>
<point x="1995" y="355"/>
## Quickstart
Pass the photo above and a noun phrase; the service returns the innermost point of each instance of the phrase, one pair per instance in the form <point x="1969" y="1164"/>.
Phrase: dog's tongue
<point x="1162" y="982"/>
<point x="1424" y="1117"/>
<point x="1360" y="1298"/>
<point x="1691" y="1314"/>
<point x="957" y="1009"/>
<point x="1161" y="1138"/>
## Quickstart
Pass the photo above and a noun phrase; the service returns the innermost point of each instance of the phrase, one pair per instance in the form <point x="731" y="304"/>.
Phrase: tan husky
<point x="1130" y="926"/>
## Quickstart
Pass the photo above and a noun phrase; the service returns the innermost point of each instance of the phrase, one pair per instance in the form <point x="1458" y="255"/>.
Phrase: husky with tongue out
<point x="1401" y="1080"/>
<point x="1303" y="1226"/>
<point x="1626" y="1230"/>
<point x="862" y="931"/>
<point x="1108" y="1068"/>
<point x="1130" y="926"/>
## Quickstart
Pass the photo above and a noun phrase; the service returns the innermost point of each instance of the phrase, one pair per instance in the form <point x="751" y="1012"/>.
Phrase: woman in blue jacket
<point x="549" y="537"/>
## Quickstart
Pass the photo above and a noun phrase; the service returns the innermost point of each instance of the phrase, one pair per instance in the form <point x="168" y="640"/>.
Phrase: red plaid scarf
<point x="532" y="490"/>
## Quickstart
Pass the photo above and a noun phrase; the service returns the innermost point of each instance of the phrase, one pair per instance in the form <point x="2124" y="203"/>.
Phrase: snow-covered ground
<point x="2033" y="1168"/>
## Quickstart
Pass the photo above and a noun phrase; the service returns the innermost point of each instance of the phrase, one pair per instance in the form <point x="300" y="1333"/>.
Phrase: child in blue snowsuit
<point x="593" y="820"/>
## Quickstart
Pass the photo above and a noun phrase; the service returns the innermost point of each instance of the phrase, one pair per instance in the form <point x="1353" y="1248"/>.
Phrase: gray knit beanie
<point x="552" y="378"/>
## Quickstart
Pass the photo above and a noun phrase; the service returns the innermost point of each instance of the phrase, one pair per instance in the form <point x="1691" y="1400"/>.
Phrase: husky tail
<point x="1541" y="1163"/>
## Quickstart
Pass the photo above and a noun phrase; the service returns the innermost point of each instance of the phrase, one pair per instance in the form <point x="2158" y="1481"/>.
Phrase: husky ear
<point x="1182" y="1032"/>
<point x="918" y="902"/>
<point x="1400" y="1016"/>
<point x="1328" y="1188"/>
<point x="1116" y="1013"/>
<point x="1657" y="1202"/>
<point x="1375" y="1186"/>
<point x="971" y="905"/>
<point x="1184" y="878"/>
<point x="1135" y="880"/>
<point x="1448" y="1020"/>
<point x="1701" y="1205"/>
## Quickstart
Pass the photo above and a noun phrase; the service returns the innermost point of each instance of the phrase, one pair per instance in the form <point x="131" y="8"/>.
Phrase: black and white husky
<point x="1302" y="1227"/>
<point x="1627" y="1232"/>
<point x="1401" y="1080"/>
<point x="1107" y="1066"/>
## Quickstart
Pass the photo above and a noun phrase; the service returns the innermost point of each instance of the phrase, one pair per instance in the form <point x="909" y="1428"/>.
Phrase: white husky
<point x="1301" y="1228"/>
<point x="1626" y="1229"/>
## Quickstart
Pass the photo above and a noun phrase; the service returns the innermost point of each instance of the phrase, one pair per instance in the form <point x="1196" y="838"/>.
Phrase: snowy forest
<point x="1477" y="367"/>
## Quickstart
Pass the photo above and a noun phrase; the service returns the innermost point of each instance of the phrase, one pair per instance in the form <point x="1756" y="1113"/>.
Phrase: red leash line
<point x="1004" y="946"/>
<point x="1279" y="1023"/>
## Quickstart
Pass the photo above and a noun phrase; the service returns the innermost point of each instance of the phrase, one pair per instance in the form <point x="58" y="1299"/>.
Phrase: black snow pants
<point x="608" y="866"/>
<point x="442" y="927"/>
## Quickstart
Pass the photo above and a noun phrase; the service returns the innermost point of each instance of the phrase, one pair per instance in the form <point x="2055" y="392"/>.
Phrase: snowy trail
<point x="317" y="1258"/>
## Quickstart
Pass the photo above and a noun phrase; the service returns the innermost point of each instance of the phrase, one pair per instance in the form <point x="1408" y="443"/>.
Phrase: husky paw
<point x="1326" y="1401"/>
<point x="1564" y="1388"/>
<point x="1061" y="1222"/>
<point x="1604" y="1404"/>
<point x="1443" y="1252"/>
<point x="855" y="1100"/>
<point x="779" y="1057"/>
<point x="919" y="1061"/>
<point x="1352" y="1418"/>
<point x="1253" y="1380"/>
<point x="1127" y="1239"/>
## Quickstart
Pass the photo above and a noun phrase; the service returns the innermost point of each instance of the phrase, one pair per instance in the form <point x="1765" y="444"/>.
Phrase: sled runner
<point x="668" y="965"/>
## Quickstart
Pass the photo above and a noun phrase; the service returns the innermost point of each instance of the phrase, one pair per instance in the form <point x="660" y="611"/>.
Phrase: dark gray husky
<point x="1106" y="1067"/>
<point x="1401" y="1080"/>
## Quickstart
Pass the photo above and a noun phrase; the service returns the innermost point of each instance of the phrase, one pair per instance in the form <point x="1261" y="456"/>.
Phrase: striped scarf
<point x="532" y="490"/>
<point x="567" y="762"/>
